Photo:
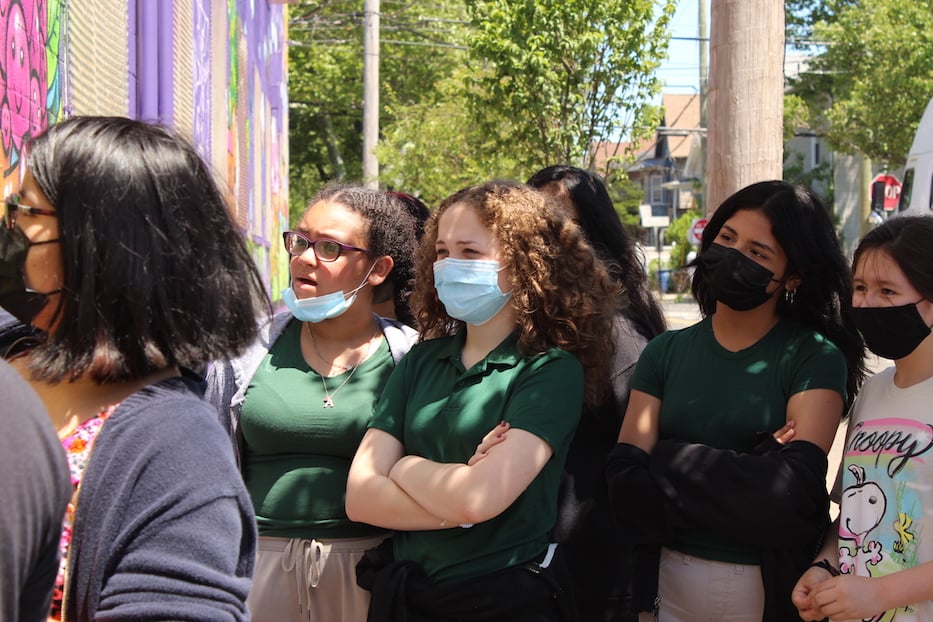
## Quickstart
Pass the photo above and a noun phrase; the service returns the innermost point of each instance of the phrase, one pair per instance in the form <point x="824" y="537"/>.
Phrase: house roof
<point x="604" y="151"/>
<point x="681" y="112"/>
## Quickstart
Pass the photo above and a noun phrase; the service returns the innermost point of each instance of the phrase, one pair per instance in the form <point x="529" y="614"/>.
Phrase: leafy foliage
<point x="419" y="47"/>
<point x="566" y="72"/>
<point x="472" y="89"/>
<point x="867" y="90"/>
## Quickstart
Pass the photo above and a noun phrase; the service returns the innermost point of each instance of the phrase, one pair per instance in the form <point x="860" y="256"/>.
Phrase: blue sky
<point x="680" y="72"/>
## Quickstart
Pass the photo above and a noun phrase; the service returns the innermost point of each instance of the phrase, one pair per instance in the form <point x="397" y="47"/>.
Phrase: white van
<point x="917" y="189"/>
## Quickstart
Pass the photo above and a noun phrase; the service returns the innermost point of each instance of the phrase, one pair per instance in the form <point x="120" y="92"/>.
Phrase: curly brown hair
<point x="563" y="294"/>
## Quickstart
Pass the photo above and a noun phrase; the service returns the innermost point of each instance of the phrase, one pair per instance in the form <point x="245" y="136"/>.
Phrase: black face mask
<point x="734" y="279"/>
<point x="23" y="304"/>
<point x="891" y="332"/>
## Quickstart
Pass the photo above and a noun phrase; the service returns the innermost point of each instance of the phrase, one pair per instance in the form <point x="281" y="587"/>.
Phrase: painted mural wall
<point x="30" y="85"/>
<point x="221" y="80"/>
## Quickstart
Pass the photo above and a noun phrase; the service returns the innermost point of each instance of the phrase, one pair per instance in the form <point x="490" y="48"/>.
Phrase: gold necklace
<point x="328" y="395"/>
<point x="320" y="355"/>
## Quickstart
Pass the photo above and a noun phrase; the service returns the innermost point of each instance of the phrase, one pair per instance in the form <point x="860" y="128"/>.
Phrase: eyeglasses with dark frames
<point x="297" y="243"/>
<point x="14" y="207"/>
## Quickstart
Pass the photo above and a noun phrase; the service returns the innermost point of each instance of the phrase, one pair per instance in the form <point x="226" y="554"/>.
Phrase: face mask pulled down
<point x="319" y="308"/>
<point x="734" y="279"/>
<point x="469" y="289"/>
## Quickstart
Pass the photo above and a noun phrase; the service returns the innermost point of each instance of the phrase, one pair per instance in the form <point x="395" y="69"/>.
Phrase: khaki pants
<point x="309" y="580"/>
<point x="692" y="589"/>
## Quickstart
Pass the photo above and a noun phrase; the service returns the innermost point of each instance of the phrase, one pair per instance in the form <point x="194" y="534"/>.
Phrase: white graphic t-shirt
<point x="886" y="510"/>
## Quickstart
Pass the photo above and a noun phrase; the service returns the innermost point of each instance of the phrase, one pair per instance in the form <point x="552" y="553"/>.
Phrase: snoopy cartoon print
<point x="864" y="504"/>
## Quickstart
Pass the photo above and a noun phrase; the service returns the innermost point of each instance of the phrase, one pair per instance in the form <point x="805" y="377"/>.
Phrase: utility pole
<point x="370" y="92"/>
<point x="703" y="36"/>
<point x="746" y="96"/>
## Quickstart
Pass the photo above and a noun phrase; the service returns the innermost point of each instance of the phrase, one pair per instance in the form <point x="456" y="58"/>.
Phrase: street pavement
<point x="680" y="311"/>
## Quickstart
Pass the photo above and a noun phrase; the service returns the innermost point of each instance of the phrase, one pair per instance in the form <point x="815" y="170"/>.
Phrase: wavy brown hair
<point x="563" y="294"/>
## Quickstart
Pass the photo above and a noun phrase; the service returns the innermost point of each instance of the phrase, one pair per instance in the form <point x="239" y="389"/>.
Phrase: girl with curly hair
<point x="514" y="309"/>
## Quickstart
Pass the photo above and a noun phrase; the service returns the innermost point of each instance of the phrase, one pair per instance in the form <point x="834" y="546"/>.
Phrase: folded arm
<point x="375" y="499"/>
<point x="477" y="493"/>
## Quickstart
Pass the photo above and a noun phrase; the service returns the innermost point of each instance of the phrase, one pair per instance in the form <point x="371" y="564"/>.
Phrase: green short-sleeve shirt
<point x="297" y="453"/>
<point x="441" y="411"/>
<point x="723" y="399"/>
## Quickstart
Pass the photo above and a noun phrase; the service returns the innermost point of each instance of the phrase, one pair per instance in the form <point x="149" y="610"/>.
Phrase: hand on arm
<point x="477" y="493"/>
<point x="375" y="499"/>
<point x="785" y="434"/>
<point x="492" y="438"/>
<point x="849" y="597"/>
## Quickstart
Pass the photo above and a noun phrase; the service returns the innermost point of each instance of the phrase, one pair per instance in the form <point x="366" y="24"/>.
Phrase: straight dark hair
<point x="802" y="226"/>
<point x="602" y="228"/>
<point x="907" y="240"/>
<point x="155" y="272"/>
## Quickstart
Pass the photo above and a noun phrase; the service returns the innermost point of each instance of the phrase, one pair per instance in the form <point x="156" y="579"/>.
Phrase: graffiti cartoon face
<point x="17" y="64"/>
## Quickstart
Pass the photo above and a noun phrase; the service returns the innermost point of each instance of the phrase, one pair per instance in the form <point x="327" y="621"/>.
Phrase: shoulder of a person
<point x="389" y="325"/>
<point x="627" y="336"/>
<point x="673" y="336"/>
<point x="555" y="359"/>
<point x="805" y="337"/>
<point x="173" y="408"/>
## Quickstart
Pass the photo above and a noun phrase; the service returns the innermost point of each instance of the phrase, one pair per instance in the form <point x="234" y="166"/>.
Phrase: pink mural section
<point x="30" y="90"/>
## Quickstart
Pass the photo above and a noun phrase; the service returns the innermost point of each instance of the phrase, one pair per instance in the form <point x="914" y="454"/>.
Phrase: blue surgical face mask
<point x="320" y="308"/>
<point x="469" y="289"/>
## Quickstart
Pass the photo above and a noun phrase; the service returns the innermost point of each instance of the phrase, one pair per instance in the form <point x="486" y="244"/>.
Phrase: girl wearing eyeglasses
<point x="299" y="400"/>
<point x="516" y="312"/>
<point x="120" y="252"/>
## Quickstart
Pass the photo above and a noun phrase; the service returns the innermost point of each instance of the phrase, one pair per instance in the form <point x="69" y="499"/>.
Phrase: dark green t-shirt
<point x="298" y="453"/>
<point x="441" y="411"/>
<point x="723" y="399"/>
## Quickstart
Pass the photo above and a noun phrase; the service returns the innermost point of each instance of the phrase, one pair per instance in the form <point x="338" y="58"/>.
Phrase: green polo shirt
<point x="441" y="411"/>
<point x="720" y="398"/>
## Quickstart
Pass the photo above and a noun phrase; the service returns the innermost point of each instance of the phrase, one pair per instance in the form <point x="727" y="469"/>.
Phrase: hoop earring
<point x="789" y="295"/>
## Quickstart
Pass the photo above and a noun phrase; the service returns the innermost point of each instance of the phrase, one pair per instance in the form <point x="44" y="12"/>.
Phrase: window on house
<point x="655" y="191"/>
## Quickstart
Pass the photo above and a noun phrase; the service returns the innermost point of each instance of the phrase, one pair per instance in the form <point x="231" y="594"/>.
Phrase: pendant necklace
<point x="329" y="395"/>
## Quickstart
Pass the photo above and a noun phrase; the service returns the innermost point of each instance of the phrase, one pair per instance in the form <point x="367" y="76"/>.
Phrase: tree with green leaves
<point x="567" y="73"/>
<point x="421" y="44"/>
<point x="884" y="51"/>
<point x="868" y="87"/>
<point x="448" y="118"/>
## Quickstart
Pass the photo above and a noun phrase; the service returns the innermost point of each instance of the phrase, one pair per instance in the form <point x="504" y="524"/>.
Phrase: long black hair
<point x="155" y="272"/>
<point x="802" y="226"/>
<point x="600" y="223"/>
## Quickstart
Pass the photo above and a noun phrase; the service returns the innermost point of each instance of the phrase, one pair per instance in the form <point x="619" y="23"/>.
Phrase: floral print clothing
<point x="77" y="446"/>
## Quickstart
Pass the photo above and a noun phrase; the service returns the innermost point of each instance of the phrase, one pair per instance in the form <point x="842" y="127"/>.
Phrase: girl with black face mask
<point x="878" y="557"/>
<point x="775" y="358"/>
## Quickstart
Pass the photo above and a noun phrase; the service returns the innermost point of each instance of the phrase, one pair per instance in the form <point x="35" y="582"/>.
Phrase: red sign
<point x="886" y="192"/>
<point x="695" y="234"/>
